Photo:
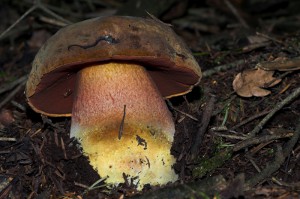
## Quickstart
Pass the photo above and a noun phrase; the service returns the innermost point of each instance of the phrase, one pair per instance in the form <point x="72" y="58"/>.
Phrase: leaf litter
<point x="253" y="82"/>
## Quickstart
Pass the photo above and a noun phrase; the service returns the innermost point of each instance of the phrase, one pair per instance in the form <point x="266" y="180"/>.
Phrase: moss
<point x="209" y="164"/>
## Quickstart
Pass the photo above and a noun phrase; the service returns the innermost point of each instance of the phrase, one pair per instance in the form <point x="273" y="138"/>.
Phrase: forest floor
<point x="228" y="143"/>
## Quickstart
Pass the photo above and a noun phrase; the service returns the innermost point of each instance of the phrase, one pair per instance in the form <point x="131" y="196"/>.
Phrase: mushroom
<point x="111" y="74"/>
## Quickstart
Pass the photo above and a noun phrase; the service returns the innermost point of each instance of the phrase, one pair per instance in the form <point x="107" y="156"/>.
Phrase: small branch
<point x="48" y="121"/>
<point x="52" y="21"/>
<point x="203" y="126"/>
<point x="277" y="107"/>
<point x="6" y="87"/>
<point x="53" y="14"/>
<point x="258" y="140"/>
<point x="12" y="93"/>
<point x="5" y="139"/>
<point x="63" y="148"/>
<point x="18" y="105"/>
<point x="288" y="147"/>
<point x="280" y="156"/>
<point x="18" y="21"/>
<point x="269" y="169"/>
<point x="250" y="119"/>
<point x="220" y="68"/>
<point x="37" y="4"/>
<point x="295" y="185"/>
<point x="270" y="38"/>
<point x="253" y="163"/>
<point x="81" y="185"/>
<point x="96" y="185"/>
<point x="236" y="13"/>
<point x="254" y="46"/>
<point x="235" y="137"/>
<point x="179" y="111"/>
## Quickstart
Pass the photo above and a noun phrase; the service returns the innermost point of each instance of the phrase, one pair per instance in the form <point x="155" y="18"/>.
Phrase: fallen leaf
<point x="281" y="64"/>
<point x="252" y="82"/>
<point x="255" y="39"/>
<point x="6" y="117"/>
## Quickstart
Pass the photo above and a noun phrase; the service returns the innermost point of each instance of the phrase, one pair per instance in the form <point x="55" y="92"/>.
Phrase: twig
<point x="48" y="121"/>
<point x="236" y="14"/>
<point x="270" y="38"/>
<point x="63" y="148"/>
<point x="291" y="143"/>
<point x="295" y="185"/>
<point x="258" y="140"/>
<point x="18" y="105"/>
<point x="37" y="4"/>
<point x="12" y="93"/>
<point x="253" y="163"/>
<point x="94" y="185"/>
<point x="219" y="128"/>
<point x="179" y="111"/>
<point x="203" y="126"/>
<point x="236" y="137"/>
<point x="254" y="46"/>
<point x="259" y="147"/>
<point x="53" y="14"/>
<point x="279" y="159"/>
<point x="5" y="152"/>
<point x="250" y="119"/>
<point x="277" y="107"/>
<point x="269" y="169"/>
<point x="6" y="185"/>
<point x="52" y="21"/>
<point x="5" y="139"/>
<point x="224" y="67"/>
<point x="81" y="185"/>
<point x="18" y="20"/>
<point x="6" y="87"/>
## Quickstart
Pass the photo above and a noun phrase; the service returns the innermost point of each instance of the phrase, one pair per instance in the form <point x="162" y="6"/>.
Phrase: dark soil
<point x="41" y="161"/>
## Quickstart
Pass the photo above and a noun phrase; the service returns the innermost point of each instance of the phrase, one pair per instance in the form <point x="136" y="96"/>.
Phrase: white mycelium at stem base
<point x="123" y="124"/>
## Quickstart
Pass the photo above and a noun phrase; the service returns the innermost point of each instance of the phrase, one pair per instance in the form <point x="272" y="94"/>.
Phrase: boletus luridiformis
<point x="111" y="74"/>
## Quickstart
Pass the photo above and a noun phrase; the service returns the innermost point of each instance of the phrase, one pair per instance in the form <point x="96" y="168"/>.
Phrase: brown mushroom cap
<point x="148" y="42"/>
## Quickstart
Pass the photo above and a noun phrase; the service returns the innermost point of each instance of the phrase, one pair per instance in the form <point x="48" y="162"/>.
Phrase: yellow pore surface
<point x="141" y="152"/>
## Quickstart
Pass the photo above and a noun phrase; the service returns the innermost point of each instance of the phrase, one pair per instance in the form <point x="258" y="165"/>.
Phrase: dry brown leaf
<point x="281" y="64"/>
<point x="252" y="82"/>
<point x="255" y="39"/>
<point x="6" y="117"/>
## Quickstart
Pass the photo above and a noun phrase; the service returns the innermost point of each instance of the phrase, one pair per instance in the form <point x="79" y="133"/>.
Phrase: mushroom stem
<point x="123" y="124"/>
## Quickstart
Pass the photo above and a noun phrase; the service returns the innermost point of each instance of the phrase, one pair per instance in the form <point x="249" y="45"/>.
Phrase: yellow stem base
<point x="143" y="153"/>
